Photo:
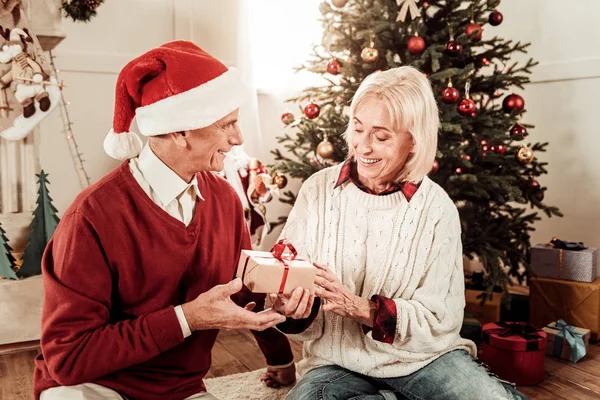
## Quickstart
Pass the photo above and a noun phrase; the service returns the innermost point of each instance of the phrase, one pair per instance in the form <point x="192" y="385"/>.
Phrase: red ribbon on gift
<point x="278" y="252"/>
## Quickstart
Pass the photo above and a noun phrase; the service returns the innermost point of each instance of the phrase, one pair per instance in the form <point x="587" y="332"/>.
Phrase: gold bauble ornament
<point x="339" y="3"/>
<point x="525" y="155"/>
<point x="279" y="180"/>
<point x="370" y="54"/>
<point x="325" y="149"/>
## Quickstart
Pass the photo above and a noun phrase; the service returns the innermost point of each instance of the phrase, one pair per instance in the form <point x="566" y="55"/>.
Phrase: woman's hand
<point x="340" y="300"/>
<point x="298" y="305"/>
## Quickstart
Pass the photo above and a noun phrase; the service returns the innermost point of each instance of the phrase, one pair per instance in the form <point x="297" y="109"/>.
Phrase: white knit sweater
<point x="409" y="252"/>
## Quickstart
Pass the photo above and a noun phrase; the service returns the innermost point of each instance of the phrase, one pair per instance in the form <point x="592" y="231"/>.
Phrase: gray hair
<point x="409" y="99"/>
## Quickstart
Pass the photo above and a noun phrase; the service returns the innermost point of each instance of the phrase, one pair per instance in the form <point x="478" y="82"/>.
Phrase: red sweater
<point x="113" y="272"/>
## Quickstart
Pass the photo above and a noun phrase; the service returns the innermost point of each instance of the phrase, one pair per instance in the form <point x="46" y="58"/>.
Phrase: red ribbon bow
<point x="278" y="252"/>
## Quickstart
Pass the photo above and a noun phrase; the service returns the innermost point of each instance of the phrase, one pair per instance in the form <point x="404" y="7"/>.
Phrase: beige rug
<point x="244" y="386"/>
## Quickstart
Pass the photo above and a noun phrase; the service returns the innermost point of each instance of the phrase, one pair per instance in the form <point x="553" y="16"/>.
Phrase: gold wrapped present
<point x="276" y="271"/>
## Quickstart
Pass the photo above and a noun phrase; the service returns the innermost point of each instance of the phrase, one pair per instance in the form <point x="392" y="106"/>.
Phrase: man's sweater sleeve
<point x="431" y="319"/>
<point x="78" y="340"/>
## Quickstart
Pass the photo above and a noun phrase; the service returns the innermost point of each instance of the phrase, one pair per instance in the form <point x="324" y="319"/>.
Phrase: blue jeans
<point x="453" y="376"/>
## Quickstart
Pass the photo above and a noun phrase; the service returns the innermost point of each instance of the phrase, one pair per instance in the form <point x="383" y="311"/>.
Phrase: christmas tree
<point x="42" y="228"/>
<point x="7" y="261"/>
<point x="483" y="162"/>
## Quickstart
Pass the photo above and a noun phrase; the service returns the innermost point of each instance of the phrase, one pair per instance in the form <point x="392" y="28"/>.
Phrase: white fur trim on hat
<point x="122" y="146"/>
<point x="193" y="109"/>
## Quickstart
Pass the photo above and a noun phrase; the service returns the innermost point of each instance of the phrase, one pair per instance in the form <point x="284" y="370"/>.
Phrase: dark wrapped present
<point x="570" y="261"/>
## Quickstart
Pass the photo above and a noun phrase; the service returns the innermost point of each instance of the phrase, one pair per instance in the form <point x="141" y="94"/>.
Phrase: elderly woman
<point x="387" y="242"/>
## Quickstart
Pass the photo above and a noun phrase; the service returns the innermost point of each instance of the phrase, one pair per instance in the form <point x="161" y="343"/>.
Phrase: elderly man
<point x="138" y="275"/>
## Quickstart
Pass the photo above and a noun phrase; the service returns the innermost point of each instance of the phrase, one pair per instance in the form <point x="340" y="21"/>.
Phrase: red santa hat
<point x="175" y="87"/>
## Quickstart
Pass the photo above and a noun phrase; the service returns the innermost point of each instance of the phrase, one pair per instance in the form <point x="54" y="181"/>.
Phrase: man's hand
<point x="276" y="377"/>
<point x="214" y="309"/>
<point x="298" y="305"/>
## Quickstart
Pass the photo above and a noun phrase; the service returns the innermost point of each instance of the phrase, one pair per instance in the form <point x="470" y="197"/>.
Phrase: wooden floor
<point x="236" y="351"/>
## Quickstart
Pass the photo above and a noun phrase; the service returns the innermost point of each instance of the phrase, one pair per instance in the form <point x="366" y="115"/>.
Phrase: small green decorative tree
<point x="7" y="261"/>
<point x="42" y="228"/>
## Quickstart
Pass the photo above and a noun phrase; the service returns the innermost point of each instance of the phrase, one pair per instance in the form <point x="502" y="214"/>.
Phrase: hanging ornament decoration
<point x="539" y="195"/>
<point x="453" y="48"/>
<point x="287" y="118"/>
<point x="416" y="45"/>
<point x="474" y="29"/>
<point x="495" y="18"/>
<point x="312" y="110"/>
<point x="333" y="66"/>
<point x="466" y="107"/>
<point x="406" y="6"/>
<point x="500" y="149"/>
<point x="435" y="167"/>
<point x="325" y="149"/>
<point x="513" y="102"/>
<point x="525" y="155"/>
<point x="279" y="180"/>
<point x="518" y="130"/>
<point x="370" y="54"/>
<point x="450" y="95"/>
<point x="339" y="3"/>
<point x="80" y="10"/>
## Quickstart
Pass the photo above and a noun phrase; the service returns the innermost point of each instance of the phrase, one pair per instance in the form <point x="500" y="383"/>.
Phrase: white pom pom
<point x="122" y="146"/>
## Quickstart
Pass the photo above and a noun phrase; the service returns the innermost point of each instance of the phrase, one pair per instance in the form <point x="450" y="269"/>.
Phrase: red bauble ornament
<point x="466" y="107"/>
<point x="539" y="195"/>
<point x="416" y="45"/>
<point x="312" y="110"/>
<point x="513" y="102"/>
<point x="287" y="118"/>
<point x="500" y="149"/>
<point x="450" y="95"/>
<point x="458" y="171"/>
<point x="535" y="183"/>
<point x="453" y="47"/>
<point x="518" y="130"/>
<point x="495" y="18"/>
<point x="435" y="166"/>
<point x="333" y="66"/>
<point x="474" y="29"/>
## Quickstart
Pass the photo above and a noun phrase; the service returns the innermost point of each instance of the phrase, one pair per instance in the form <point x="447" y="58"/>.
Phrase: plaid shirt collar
<point x="349" y="173"/>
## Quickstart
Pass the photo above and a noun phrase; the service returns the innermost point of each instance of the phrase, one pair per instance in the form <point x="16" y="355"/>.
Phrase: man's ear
<point x="179" y="138"/>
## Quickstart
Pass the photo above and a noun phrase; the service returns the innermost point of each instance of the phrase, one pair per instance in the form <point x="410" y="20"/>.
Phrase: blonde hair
<point x="409" y="99"/>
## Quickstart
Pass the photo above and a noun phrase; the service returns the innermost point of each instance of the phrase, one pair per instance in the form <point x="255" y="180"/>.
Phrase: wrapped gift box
<point x="572" y="265"/>
<point x="486" y="312"/>
<point x="578" y="303"/>
<point x="471" y="329"/>
<point x="514" y="351"/>
<point x="558" y="344"/>
<point x="263" y="272"/>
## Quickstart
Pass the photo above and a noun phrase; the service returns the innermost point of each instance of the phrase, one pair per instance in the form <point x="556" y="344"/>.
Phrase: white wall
<point x="562" y="102"/>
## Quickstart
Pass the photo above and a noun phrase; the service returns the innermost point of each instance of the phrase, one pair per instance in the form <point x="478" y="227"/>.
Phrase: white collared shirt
<point x="167" y="190"/>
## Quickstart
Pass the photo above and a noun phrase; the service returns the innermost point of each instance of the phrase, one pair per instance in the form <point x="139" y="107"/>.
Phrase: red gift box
<point x="514" y="351"/>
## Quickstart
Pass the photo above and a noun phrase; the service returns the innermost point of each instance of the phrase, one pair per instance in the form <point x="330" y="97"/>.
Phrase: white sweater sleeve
<point x="430" y="320"/>
<point x="295" y="231"/>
